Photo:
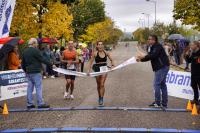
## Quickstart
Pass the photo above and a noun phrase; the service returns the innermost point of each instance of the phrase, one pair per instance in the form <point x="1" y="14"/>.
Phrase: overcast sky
<point x="126" y="13"/>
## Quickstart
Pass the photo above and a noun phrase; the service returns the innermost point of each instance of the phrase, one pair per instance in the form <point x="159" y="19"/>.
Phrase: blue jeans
<point x="34" y="80"/>
<point x="160" y="86"/>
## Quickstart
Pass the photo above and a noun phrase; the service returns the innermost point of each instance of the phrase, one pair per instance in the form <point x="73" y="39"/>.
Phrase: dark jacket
<point x="32" y="60"/>
<point x="194" y="59"/>
<point x="157" y="56"/>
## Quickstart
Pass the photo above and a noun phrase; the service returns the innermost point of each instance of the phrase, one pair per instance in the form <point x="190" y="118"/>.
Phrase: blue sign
<point x="12" y="78"/>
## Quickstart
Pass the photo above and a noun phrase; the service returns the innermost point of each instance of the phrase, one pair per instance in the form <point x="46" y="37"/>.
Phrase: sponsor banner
<point x="12" y="77"/>
<point x="178" y="84"/>
<point x="6" y="14"/>
<point x="12" y="84"/>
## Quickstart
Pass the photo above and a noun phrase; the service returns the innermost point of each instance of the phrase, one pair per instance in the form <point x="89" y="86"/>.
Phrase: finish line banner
<point x="94" y="74"/>
<point x="6" y="14"/>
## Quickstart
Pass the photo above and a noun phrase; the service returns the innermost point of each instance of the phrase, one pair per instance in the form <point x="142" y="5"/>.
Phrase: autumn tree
<point x="47" y="17"/>
<point x="141" y="34"/>
<point x="188" y="12"/>
<point x="98" y="32"/>
<point x="57" y="21"/>
<point x="85" y="13"/>
<point x="23" y="22"/>
<point x="114" y="36"/>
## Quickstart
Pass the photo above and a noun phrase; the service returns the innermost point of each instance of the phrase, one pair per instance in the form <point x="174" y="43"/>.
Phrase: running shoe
<point x="163" y="107"/>
<point x="53" y="77"/>
<point x="72" y="97"/>
<point x="155" y="105"/>
<point x="43" y="106"/>
<point x="101" y="103"/>
<point x="30" y="106"/>
<point x="66" y="95"/>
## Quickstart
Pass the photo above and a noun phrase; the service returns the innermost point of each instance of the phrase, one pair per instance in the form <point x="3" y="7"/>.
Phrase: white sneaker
<point x="72" y="97"/>
<point x="53" y="77"/>
<point x="66" y="95"/>
<point x="44" y="77"/>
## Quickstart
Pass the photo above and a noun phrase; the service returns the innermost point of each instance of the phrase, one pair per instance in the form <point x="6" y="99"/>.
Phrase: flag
<point x="6" y="14"/>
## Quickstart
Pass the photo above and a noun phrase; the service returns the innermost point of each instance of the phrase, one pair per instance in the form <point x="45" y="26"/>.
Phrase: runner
<point x="100" y="57"/>
<point x="69" y="58"/>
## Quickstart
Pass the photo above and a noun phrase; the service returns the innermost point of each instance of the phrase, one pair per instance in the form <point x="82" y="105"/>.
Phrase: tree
<point x="85" y="13"/>
<point x="33" y="18"/>
<point x="114" y="36"/>
<point x="188" y="12"/>
<point x="159" y="29"/>
<point x="57" y="21"/>
<point x="141" y="35"/>
<point x="100" y="31"/>
<point x="23" y="22"/>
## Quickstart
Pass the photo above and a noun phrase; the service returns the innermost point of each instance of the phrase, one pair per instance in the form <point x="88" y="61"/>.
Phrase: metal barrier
<point x="93" y="129"/>
<point x="98" y="108"/>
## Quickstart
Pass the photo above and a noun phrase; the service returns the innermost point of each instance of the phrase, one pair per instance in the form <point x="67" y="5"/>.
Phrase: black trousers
<point x="195" y="83"/>
<point x="82" y="66"/>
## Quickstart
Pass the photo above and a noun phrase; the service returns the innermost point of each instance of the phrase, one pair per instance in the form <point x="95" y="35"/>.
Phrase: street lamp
<point x="147" y="15"/>
<point x="152" y="1"/>
<point x="142" y="21"/>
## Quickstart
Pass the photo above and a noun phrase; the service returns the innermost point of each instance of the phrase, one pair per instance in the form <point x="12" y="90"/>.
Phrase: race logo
<point x="3" y="4"/>
<point x="178" y="79"/>
<point x="7" y="15"/>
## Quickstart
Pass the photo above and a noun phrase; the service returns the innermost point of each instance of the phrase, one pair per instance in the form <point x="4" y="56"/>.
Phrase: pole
<point x="155" y="3"/>
<point x="147" y="15"/>
<point x="155" y="10"/>
<point x="174" y="13"/>
<point x="148" y="21"/>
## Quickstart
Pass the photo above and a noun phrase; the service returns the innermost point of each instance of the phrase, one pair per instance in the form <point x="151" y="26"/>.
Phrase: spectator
<point x="167" y="49"/>
<point x="32" y="64"/>
<point x="56" y="54"/>
<point x="194" y="59"/>
<point x="176" y="52"/>
<point x="49" y="56"/>
<point x="44" y="67"/>
<point x="171" y="56"/>
<point x="186" y="51"/>
<point x="79" y="52"/>
<point x="160" y="65"/>
<point x="14" y="62"/>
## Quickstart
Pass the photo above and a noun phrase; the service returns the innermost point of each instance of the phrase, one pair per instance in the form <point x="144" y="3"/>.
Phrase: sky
<point x="126" y="13"/>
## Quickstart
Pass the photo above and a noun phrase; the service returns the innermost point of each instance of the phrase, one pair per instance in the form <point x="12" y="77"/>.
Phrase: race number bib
<point x="103" y="68"/>
<point x="72" y="66"/>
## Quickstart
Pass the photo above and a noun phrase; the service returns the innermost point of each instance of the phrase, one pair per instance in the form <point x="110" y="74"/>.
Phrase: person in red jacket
<point x="14" y="61"/>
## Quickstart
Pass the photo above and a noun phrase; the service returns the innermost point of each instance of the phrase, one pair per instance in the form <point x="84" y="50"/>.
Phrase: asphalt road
<point x="128" y="87"/>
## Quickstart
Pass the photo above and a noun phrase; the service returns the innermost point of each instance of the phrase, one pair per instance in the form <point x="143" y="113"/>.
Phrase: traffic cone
<point x="5" y="109"/>
<point x="189" y="106"/>
<point x="194" y="110"/>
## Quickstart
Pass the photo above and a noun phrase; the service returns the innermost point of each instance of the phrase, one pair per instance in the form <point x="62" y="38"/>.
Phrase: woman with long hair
<point x="100" y="56"/>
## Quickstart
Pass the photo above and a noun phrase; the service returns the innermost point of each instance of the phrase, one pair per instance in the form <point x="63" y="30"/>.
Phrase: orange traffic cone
<point x="189" y="106"/>
<point x="5" y="109"/>
<point x="194" y="110"/>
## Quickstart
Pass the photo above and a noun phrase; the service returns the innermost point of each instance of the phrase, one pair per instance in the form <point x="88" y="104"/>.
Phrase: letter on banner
<point x="178" y="84"/>
<point x="6" y="14"/>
